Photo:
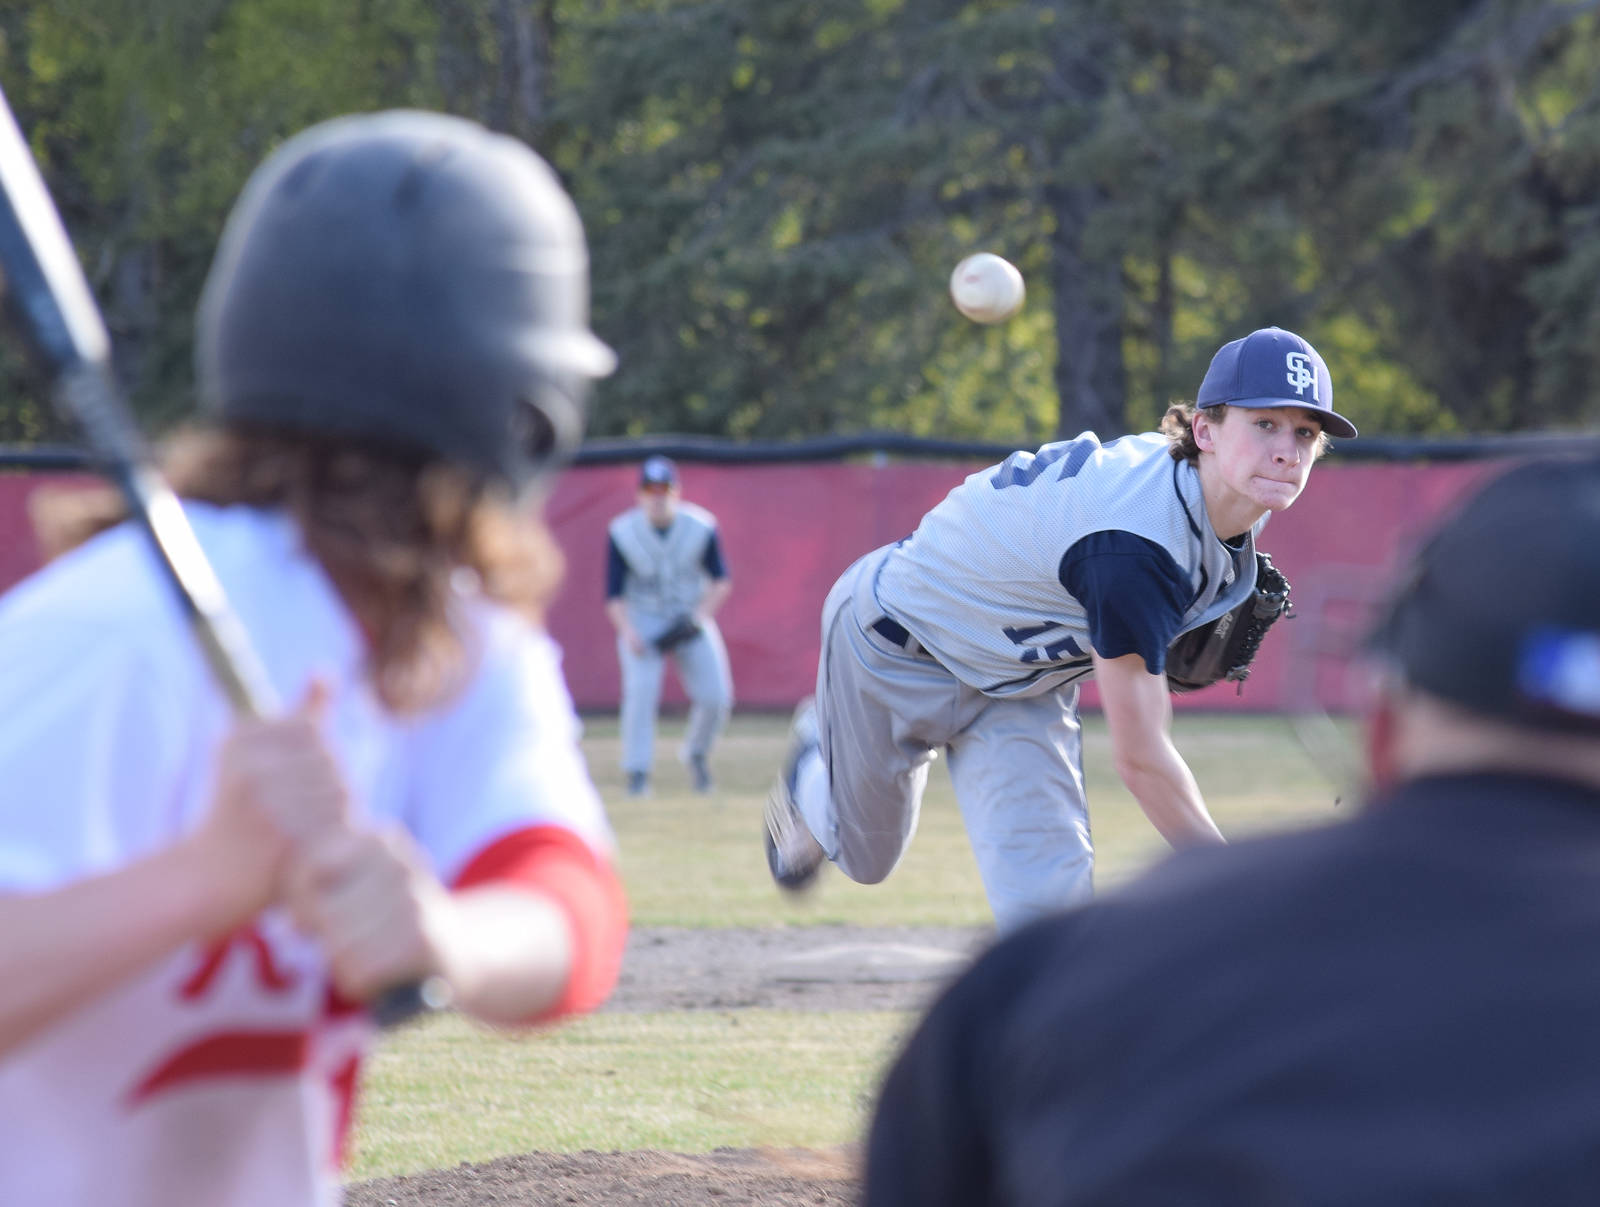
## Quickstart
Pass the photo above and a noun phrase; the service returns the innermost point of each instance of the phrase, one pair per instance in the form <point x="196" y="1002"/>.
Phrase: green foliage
<point x="444" y="1091"/>
<point x="146" y="119"/>
<point x="776" y="193"/>
<point x="1467" y="165"/>
<point x="784" y="192"/>
<point x="689" y="860"/>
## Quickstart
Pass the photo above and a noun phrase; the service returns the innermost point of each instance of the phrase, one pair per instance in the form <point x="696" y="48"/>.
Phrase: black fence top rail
<point x="719" y="451"/>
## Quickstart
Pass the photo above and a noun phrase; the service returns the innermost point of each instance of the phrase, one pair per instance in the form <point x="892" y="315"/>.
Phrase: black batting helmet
<point x="411" y="279"/>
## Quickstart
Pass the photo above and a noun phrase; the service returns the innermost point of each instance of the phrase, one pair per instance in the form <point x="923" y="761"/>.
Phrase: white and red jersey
<point x="224" y="1075"/>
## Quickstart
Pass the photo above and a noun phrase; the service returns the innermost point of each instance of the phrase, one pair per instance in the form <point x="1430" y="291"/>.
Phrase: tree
<point x="776" y="193"/>
<point x="782" y="190"/>
<point x="146" y="118"/>
<point x="1457" y="158"/>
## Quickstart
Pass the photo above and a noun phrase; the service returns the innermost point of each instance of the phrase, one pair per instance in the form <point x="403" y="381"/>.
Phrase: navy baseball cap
<point x="1525" y="648"/>
<point x="658" y="471"/>
<point x="1273" y="368"/>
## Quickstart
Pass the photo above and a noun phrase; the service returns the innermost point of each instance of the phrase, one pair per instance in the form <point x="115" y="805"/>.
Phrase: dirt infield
<point x="728" y="1177"/>
<point x="790" y="968"/>
<point x="810" y="968"/>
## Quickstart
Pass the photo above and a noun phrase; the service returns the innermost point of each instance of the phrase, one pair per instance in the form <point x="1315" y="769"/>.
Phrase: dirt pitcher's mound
<point x="728" y="1177"/>
<point x="677" y="968"/>
<point x="792" y="968"/>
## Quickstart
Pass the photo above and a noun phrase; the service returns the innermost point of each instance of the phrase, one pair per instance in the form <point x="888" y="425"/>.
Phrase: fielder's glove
<point x="1225" y="648"/>
<point x="684" y="628"/>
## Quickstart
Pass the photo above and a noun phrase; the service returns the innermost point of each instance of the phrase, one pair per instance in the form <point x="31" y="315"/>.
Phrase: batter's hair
<point x="399" y="535"/>
<point x="1177" y="425"/>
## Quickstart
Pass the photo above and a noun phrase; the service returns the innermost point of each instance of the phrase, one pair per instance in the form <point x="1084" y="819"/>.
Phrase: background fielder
<point x="972" y="634"/>
<point x="393" y="349"/>
<point x="665" y="579"/>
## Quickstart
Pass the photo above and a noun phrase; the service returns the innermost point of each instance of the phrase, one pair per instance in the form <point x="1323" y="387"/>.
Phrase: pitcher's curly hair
<point x="1177" y="425"/>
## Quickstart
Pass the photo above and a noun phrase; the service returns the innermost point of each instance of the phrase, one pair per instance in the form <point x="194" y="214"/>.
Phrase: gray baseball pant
<point x="883" y="713"/>
<point x="703" y="670"/>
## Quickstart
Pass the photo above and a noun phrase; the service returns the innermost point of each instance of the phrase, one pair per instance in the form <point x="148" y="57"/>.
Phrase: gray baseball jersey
<point x="666" y="577"/>
<point x="983" y="583"/>
<point x="666" y="572"/>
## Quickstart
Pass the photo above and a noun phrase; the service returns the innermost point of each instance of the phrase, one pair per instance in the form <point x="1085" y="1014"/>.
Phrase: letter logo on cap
<point x="1301" y="374"/>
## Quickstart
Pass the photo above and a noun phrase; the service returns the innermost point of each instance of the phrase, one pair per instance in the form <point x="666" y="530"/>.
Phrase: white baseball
<point x="987" y="288"/>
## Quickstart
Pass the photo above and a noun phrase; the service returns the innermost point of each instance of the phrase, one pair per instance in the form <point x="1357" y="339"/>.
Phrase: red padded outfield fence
<point x="789" y="530"/>
<point x="790" y="526"/>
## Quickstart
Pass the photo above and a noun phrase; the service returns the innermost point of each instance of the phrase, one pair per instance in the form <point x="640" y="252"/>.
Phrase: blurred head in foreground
<point x="1500" y="672"/>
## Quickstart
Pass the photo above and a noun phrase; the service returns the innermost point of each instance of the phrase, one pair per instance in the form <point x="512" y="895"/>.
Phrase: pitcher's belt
<point x="895" y="633"/>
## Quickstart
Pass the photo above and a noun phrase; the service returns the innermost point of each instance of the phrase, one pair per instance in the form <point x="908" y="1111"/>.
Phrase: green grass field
<point x="445" y="1091"/>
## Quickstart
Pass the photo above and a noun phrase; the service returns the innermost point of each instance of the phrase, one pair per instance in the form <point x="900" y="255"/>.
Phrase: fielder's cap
<point x="658" y="471"/>
<point x="1525" y="647"/>
<point x="1273" y="368"/>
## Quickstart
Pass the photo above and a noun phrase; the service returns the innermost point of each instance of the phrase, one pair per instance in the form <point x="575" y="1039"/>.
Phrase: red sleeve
<point x="556" y="863"/>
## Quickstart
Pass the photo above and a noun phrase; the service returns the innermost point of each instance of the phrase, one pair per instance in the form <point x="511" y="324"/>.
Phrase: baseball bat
<point x="50" y="302"/>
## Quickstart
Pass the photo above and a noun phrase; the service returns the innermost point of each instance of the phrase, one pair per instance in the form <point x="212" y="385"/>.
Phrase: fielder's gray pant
<point x="702" y="664"/>
<point x="1015" y="762"/>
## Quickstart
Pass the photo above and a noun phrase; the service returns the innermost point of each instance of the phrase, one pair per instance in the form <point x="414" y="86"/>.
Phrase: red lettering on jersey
<point x="226" y="1054"/>
<point x="269" y="975"/>
<point x="249" y="1054"/>
<point x="336" y="1005"/>
<point x="343" y="1084"/>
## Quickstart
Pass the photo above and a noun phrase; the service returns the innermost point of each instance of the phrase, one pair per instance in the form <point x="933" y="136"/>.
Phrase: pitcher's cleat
<point x="793" y="854"/>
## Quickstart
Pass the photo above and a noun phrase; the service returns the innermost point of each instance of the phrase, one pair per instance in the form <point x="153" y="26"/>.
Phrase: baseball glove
<point x="1225" y="647"/>
<point x="684" y="628"/>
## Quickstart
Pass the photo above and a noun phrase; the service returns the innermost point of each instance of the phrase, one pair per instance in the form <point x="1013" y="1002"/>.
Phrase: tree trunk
<point x="1163" y="310"/>
<point x="519" y="101"/>
<point x="1091" y="381"/>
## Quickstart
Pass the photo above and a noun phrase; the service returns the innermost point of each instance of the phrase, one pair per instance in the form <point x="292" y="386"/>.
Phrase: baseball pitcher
<point x="972" y="635"/>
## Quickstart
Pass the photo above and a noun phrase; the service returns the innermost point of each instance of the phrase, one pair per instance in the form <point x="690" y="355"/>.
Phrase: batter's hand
<point x="277" y="782"/>
<point x="368" y="899"/>
<point x="283" y="769"/>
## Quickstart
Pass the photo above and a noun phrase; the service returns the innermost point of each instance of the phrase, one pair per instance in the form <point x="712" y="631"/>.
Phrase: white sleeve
<point x="94" y="750"/>
<point x="502" y="756"/>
